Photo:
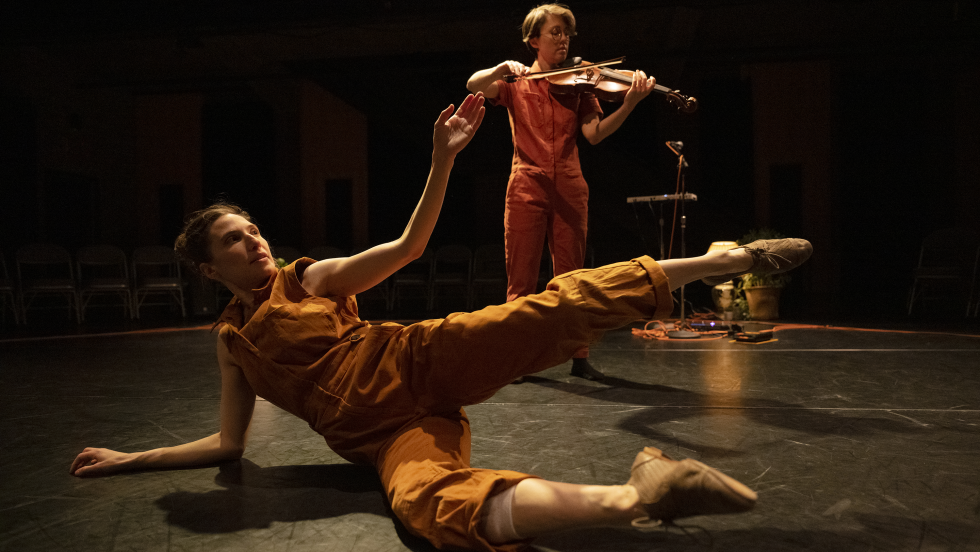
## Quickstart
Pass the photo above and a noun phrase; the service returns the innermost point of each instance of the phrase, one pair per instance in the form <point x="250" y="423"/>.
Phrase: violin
<point x="609" y="85"/>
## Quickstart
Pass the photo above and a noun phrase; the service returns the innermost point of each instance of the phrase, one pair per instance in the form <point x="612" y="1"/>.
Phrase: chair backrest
<point x="453" y="254"/>
<point x="105" y="259"/>
<point x="44" y="260"/>
<point x="326" y="252"/>
<point x="100" y="255"/>
<point x="43" y="253"/>
<point x="454" y="260"/>
<point x="953" y="247"/>
<point x="5" y="283"/>
<point x="159" y="260"/>
<point x="490" y="260"/>
<point x="154" y="254"/>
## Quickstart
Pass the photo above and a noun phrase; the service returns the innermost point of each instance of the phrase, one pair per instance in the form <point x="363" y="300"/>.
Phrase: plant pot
<point x="763" y="302"/>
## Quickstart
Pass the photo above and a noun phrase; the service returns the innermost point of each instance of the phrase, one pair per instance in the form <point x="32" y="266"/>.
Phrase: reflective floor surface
<point x="855" y="441"/>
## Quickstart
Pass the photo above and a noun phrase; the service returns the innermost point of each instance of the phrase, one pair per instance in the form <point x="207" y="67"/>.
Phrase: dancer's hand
<point x="453" y="131"/>
<point x="99" y="461"/>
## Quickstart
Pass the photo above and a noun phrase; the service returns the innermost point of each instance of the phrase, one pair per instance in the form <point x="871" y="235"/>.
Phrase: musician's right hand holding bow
<point x="511" y="67"/>
<point x="486" y="80"/>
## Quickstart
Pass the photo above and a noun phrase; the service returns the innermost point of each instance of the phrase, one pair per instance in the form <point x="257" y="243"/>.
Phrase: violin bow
<point x="542" y="74"/>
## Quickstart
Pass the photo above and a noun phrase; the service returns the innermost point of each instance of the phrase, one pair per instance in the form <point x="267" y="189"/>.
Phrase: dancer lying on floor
<point x="392" y="396"/>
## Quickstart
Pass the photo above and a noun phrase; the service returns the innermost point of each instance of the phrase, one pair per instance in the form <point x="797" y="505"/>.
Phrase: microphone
<point x="676" y="147"/>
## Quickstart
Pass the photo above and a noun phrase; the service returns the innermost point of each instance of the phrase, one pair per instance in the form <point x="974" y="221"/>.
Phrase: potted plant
<point x="757" y="295"/>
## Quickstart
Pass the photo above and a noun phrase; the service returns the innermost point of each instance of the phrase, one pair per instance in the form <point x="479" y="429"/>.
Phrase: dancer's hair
<point x="193" y="245"/>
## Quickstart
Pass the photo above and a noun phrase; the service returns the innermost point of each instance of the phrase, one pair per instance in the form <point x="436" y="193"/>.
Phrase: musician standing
<point x="547" y="196"/>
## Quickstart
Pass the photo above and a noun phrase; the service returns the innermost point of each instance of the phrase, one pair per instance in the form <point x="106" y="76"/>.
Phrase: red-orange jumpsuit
<point x="392" y="396"/>
<point x="547" y="194"/>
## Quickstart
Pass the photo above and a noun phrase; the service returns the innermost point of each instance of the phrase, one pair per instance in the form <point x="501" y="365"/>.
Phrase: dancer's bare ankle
<point x="741" y="258"/>
<point x="732" y="260"/>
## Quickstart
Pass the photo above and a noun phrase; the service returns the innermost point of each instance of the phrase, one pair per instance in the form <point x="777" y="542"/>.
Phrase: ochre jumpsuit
<point x="392" y="396"/>
<point x="546" y="194"/>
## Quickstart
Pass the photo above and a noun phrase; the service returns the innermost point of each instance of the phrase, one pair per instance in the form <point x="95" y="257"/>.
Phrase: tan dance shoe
<point x="670" y="489"/>
<point x="769" y="257"/>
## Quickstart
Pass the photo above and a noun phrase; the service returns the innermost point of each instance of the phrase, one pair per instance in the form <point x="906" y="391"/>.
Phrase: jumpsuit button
<point x="354" y="338"/>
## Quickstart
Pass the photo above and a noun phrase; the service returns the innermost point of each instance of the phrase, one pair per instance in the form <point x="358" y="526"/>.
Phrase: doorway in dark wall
<point x="895" y="166"/>
<point x="171" y="212"/>
<point x="786" y="217"/>
<point x="726" y="194"/>
<point x="238" y="158"/>
<point x="723" y="156"/>
<point x="338" y="209"/>
<point x="18" y="172"/>
<point x="786" y="198"/>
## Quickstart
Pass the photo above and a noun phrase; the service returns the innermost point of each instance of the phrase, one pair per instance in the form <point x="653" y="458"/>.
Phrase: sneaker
<point x="670" y="489"/>
<point x="769" y="257"/>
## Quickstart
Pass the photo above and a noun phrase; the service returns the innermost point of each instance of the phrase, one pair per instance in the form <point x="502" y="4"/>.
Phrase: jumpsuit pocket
<point x="537" y="106"/>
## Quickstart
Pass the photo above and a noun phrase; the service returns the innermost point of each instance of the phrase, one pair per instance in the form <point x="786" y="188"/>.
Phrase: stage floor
<point x="855" y="441"/>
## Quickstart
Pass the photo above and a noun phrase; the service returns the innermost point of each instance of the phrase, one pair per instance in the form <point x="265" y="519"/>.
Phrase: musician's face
<point x="552" y="42"/>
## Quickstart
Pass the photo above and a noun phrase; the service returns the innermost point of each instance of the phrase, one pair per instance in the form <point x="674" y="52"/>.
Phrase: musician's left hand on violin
<point x="639" y="89"/>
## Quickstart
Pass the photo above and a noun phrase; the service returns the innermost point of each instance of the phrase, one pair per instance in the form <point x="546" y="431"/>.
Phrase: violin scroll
<point x="685" y="104"/>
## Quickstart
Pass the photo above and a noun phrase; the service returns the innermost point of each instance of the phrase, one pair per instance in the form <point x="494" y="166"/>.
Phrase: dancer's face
<point x="239" y="254"/>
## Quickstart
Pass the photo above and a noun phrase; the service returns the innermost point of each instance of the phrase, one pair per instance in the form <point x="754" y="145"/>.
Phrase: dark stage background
<point x="851" y="123"/>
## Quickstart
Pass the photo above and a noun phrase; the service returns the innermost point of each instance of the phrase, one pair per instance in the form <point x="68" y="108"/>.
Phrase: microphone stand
<point x="679" y="333"/>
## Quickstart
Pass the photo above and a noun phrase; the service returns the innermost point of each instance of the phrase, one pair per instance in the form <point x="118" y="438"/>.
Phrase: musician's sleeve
<point x="505" y="94"/>
<point x="587" y="105"/>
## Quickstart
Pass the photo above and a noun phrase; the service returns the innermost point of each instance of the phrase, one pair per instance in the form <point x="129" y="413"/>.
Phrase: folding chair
<point x="489" y="273"/>
<point x="947" y="265"/>
<point x="46" y="269"/>
<point x="8" y="293"/>
<point x="103" y="270"/>
<point x="416" y="275"/>
<point x="452" y="267"/>
<point x="157" y="271"/>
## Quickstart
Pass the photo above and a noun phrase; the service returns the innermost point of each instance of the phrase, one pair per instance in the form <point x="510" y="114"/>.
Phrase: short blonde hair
<point x="537" y="16"/>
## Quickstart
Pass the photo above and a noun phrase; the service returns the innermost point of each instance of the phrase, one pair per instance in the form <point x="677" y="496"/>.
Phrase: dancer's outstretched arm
<point x="348" y="276"/>
<point x="237" y="404"/>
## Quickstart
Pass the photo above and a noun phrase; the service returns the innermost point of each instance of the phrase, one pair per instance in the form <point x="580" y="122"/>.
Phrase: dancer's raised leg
<point x="684" y="271"/>
<point x="762" y="256"/>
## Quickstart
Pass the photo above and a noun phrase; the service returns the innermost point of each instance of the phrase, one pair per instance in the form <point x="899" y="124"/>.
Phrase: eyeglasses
<point x="557" y="34"/>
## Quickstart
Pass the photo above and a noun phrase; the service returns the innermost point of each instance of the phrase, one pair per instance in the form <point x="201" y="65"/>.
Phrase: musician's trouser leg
<point x="569" y="230"/>
<point x="526" y="215"/>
